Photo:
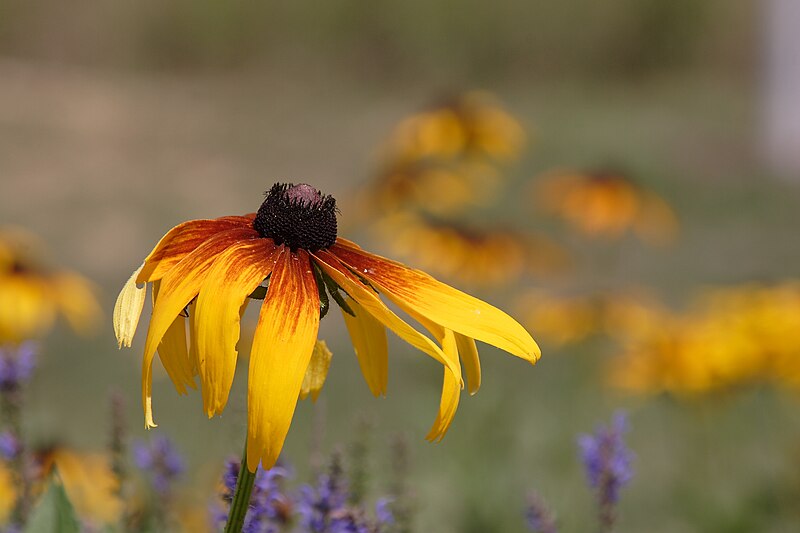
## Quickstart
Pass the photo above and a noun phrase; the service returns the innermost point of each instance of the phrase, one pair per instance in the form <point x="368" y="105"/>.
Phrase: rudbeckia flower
<point x="468" y="124"/>
<point x="210" y="267"/>
<point x="474" y="256"/>
<point x="32" y="293"/>
<point x="607" y="204"/>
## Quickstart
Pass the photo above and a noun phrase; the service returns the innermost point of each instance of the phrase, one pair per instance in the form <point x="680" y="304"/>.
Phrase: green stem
<point x="241" y="497"/>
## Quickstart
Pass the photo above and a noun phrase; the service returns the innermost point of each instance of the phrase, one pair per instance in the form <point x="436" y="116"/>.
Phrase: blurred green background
<point x="120" y="120"/>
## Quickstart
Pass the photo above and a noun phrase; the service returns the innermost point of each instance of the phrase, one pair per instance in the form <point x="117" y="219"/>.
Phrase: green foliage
<point x="54" y="513"/>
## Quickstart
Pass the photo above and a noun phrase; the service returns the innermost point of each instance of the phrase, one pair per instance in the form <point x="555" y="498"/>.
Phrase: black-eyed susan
<point x="560" y="319"/>
<point x="32" y="293"/>
<point x="474" y="256"/>
<point x="606" y="203"/>
<point x="469" y="124"/>
<point x="210" y="267"/>
<point x="442" y="189"/>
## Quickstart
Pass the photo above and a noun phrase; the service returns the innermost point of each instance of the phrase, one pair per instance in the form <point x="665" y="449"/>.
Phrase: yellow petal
<point x="282" y="346"/>
<point x="316" y="372"/>
<point x="128" y="309"/>
<point x="451" y="391"/>
<point x="373" y="305"/>
<point x="173" y="351"/>
<point x="236" y="273"/>
<point x="472" y="363"/>
<point x="178" y="287"/>
<point x="369" y="341"/>
<point x="193" y="355"/>
<point x="440" y="303"/>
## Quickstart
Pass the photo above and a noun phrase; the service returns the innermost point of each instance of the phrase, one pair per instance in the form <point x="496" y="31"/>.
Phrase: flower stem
<point x="241" y="496"/>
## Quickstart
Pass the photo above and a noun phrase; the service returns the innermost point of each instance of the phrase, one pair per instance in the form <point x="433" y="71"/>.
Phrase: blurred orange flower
<point x="606" y="204"/>
<point x="469" y="255"/>
<point x="470" y="124"/>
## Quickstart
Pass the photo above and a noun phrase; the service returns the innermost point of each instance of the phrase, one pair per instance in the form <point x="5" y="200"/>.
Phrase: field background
<point x="120" y="120"/>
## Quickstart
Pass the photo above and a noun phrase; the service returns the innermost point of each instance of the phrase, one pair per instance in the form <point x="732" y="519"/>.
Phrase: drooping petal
<point x="128" y="309"/>
<point x="317" y="371"/>
<point x="237" y="271"/>
<point x="173" y="351"/>
<point x="440" y="303"/>
<point x="368" y="335"/>
<point x="451" y="391"/>
<point x="193" y="356"/>
<point x="178" y="287"/>
<point x="282" y="346"/>
<point x="367" y="298"/>
<point x="182" y="240"/>
<point x="472" y="363"/>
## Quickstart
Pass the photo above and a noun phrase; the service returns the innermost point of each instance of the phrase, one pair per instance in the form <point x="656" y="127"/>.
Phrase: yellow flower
<point x="730" y="337"/>
<point x="468" y="255"/>
<point x="31" y="294"/>
<point x="471" y="124"/>
<point x="8" y="493"/>
<point x="560" y="320"/>
<point x="436" y="188"/>
<point x="212" y="266"/>
<point x="606" y="204"/>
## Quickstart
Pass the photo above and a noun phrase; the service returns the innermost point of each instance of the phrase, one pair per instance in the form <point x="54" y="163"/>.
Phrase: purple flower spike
<point x="9" y="446"/>
<point x="607" y="461"/>
<point x="17" y="364"/>
<point x="270" y="509"/>
<point x="161" y="461"/>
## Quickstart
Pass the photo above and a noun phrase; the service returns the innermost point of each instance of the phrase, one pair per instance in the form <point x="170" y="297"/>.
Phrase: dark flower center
<point x="298" y="216"/>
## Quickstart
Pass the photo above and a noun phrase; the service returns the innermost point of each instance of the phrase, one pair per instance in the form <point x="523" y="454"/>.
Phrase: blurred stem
<point x="12" y="420"/>
<point x="241" y="496"/>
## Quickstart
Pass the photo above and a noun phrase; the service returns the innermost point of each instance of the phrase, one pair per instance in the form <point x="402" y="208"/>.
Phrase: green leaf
<point x="54" y="513"/>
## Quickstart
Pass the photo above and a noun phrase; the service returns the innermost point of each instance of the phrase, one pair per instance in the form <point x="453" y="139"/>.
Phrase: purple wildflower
<point x="16" y="365"/>
<point x="538" y="516"/>
<point x="161" y="461"/>
<point x="607" y="461"/>
<point x="10" y="446"/>
<point x="324" y="508"/>
<point x="270" y="508"/>
<point x="383" y="512"/>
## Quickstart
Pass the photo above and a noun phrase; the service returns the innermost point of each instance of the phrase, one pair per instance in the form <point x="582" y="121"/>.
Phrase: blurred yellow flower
<point x="470" y="124"/>
<point x="729" y="337"/>
<point x="211" y="267"/>
<point x="606" y="204"/>
<point x="560" y="320"/>
<point x="436" y="188"/>
<point x="32" y="294"/>
<point x="8" y="493"/>
<point x="89" y="481"/>
<point x="475" y="257"/>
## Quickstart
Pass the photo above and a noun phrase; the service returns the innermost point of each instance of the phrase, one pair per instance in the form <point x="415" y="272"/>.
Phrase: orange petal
<point x="235" y="274"/>
<point x="440" y="303"/>
<point x="282" y="346"/>
<point x="367" y="298"/>
<point x="368" y="335"/>
<point x="183" y="239"/>
<point x="178" y="287"/>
